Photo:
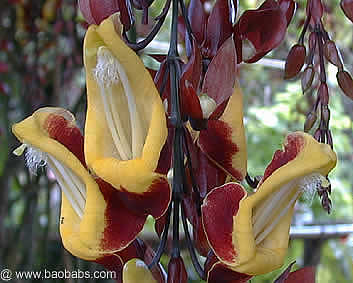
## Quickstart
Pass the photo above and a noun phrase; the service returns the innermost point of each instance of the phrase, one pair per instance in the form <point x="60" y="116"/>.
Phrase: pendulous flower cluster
<point x="187" y="126"/>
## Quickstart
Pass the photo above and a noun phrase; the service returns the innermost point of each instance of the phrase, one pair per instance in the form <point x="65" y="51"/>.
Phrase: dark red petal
<point x="303" y="275"/>
<point x="292" y="146"/>
<point x="216" y="142"/>
<point x="220" y="85"/>
<point x="265" y="29"/>
<point x="153" y="202"/>
<point x="67" y="134"/>
<point x="197" y="18"/>
<point x="113" y="263"/>
<point x="190" y="102"/>
<point x="193" y="68"/>
<point x="95" y="11"/>
<point x="295" y="61"/>
<point x="218" y="210"/>
<point x="288" y="8"/>
<point x="219" y="27"/>
<point x="221" y="274"/>
<point x="347" y="7"/>
<point x="122" y="225"/>
<point x="200" y="239"/>
<point x="207" y="174"/>
<point x="126" y="15"/>
<point x="189" y="83"/>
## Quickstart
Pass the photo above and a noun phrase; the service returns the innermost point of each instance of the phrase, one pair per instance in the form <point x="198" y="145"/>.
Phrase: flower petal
<point x="224" y="140"/>
<point x="220" y="273"/>
<point x="218" y="211"/>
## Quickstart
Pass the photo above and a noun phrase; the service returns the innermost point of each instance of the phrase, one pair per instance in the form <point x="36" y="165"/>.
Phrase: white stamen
<point x="108" y="72"/>
<point x="248" y="49"/>
<point x="34" y="159"/>
<point x="72" y="186"/>
<point x="208" y="105"/>
<point x="268" y="215"/>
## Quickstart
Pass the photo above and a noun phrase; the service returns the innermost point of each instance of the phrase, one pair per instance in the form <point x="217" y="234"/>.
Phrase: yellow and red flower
<point x="249" y="234"/>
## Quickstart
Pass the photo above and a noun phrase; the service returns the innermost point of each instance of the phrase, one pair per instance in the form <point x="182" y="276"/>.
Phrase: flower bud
<point x="323" y="94"/>
<point x="347" y="7"/>
<point x="295" y="61"/>
<point x="310" y="121"/>
<point x="345" y="82"/>
<point x="135" y="270"/>
<point x="307" y="78"/>
<point x="331" y="54"/>
<point x="176" y="271"/>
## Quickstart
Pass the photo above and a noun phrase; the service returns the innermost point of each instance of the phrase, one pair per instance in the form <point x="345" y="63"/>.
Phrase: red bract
<point x="210" y="30"/>
<point x="204" y="102"/>
<point x="347" y="7"/>
<point x="95" y="11"/>
<point x="259" y="31"/>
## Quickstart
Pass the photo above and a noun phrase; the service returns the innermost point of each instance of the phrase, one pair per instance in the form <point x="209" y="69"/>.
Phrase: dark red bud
<point x="345" y="82"/>
<point x="176" y="271"/>
<point x="307" y="78"/>
<point x="317" y="135"/>
<point x="295" y="61"/>
<point x="316" y="10"/>
<point x="347" y="7"/>
<point x="331" y="54"/>
<point x="323" y="94"/>
<point x="325" y="115"/>
<point x="312" y="40"/>
<point x="95" y="11"/>
<point x="310" y="121"/>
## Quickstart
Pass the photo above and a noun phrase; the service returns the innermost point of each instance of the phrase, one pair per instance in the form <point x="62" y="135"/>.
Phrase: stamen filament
<point x="68" y="185"/>
<point x="265" y="212"/>
<point x="137" y="138"/>
<point x="259" y="238"/>
<point x="114" y="130"/>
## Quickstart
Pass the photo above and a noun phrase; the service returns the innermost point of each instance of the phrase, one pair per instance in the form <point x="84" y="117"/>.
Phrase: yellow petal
<point x="136" y="271"/>
<point x="131" y="124"/>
